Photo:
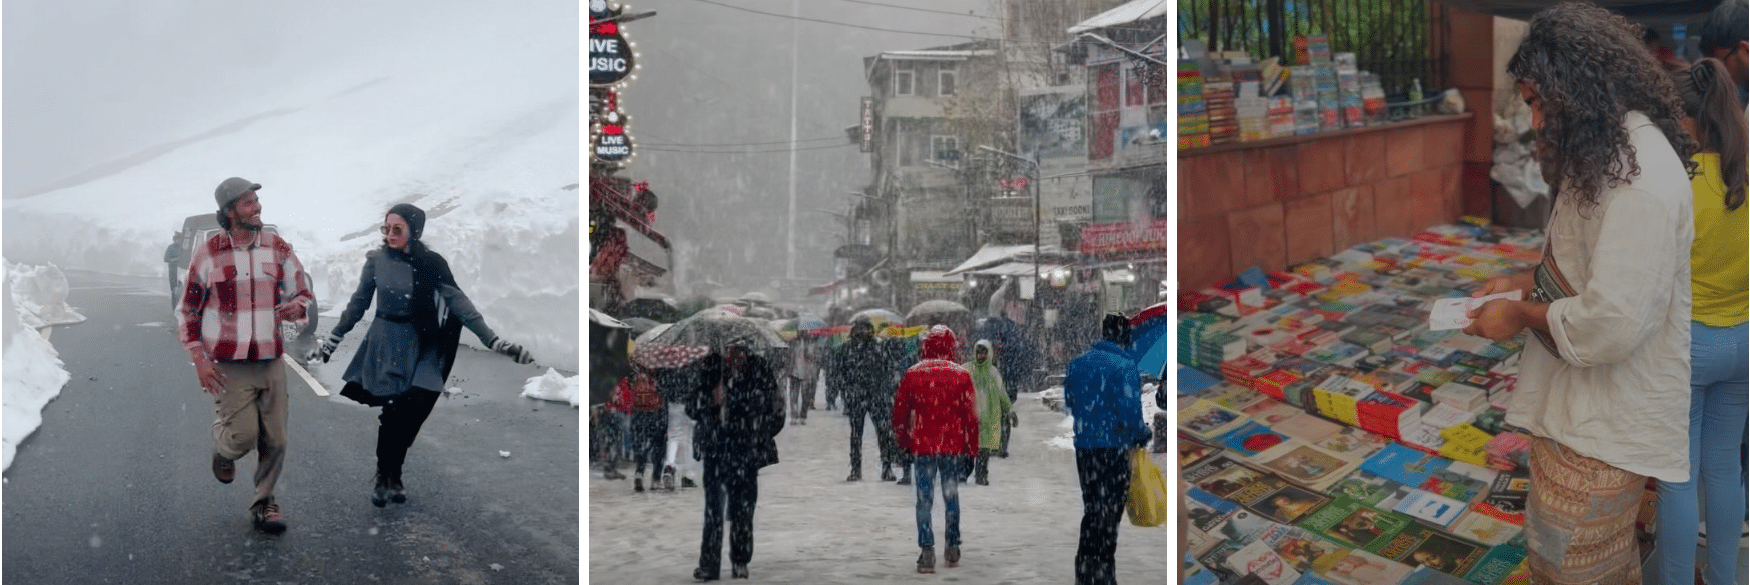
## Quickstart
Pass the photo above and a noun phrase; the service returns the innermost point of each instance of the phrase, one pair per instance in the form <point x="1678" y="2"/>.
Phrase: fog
<point x="713" y="75"/>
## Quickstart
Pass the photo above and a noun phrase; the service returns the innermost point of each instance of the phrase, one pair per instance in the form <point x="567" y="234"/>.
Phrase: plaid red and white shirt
<point x="229" y="298"/>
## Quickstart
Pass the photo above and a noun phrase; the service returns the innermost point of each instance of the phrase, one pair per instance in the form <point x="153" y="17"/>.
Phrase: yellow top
<point x="1720" y="259"/>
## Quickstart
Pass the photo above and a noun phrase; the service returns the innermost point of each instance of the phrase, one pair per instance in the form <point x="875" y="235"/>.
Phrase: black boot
<point x="886" y="471"/>
<point x="397" y="492"/>
<point x="380" y="492"/>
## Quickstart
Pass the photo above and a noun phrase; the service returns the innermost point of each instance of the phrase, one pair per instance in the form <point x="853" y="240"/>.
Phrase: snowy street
<point x="813" y="527"/>
<point x="116" y="485"/>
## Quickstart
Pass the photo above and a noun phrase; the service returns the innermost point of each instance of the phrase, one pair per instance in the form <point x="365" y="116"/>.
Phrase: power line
<point x="745" y="151"/>
<point x="747" y="143"/>
<point x="909" y="32"/>
<point x="924" y="9"/>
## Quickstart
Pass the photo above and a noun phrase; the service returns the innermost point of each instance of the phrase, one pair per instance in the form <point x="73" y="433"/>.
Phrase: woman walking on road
<point x="411" y="345"/>
<point x="995" y="411"/>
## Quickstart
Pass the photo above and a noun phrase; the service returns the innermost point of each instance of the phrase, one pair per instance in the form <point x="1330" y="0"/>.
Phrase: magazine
<point x="1305" y="464"/>
<point x="1354" y="524"/>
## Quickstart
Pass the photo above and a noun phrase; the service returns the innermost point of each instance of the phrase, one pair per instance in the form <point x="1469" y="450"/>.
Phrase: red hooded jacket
<point x="933" y="412"/>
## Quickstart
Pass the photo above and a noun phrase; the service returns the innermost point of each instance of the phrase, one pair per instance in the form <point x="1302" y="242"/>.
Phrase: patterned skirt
<point x="1580" y="520"/>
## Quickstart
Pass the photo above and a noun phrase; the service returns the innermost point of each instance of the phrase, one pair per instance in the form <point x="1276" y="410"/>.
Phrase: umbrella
<point x="881" y="315"/>
<point x="809" y="322"/>
<point x="785" y="328"/>
<point x="1143" y="316"/>
<point x="657" y="356"/>
<point x="1148" y="341"/>
<point x="717" y="328"/>
<point x="938" y="310"/>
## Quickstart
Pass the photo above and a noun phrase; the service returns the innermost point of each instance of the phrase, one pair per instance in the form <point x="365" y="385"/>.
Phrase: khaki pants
<point x="251" y="414"/>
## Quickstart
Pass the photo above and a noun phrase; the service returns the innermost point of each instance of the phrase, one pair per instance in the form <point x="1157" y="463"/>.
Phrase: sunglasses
<point x="392" y="229"/>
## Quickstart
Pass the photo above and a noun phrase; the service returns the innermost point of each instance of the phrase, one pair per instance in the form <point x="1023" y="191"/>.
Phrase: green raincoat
<point x="992" y="399"/>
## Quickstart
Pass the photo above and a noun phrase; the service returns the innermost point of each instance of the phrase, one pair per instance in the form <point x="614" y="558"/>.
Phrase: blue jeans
<point x="926" y="469"/>
<point x="1717" y="401"/>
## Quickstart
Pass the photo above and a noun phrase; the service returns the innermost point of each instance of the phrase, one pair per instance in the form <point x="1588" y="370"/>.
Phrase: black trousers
<point x="881" y="413"/>
<point x="649" y="438"/>
<point x="398" y="425"/>
<point x="735" y="486"/>
<point x="1105" y="478"/>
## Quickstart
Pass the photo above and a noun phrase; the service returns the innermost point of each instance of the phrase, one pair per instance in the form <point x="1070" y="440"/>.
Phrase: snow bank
<point x="552" y="386"/>
<point x="1067" y="440"/>
<point x="32" y="371"/>
<point x="480" y="131"/>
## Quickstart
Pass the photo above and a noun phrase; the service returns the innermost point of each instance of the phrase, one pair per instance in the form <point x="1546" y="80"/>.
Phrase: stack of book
<point x="1349" y="91"/>
<point x="1303" y="90"/>
<point x="1193" y="112"/>
<point x="1219" y="92"/>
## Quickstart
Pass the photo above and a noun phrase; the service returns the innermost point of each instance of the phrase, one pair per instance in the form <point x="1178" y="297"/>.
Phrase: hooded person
<point x="1103" y="390"/>
<point x="411" y="345"/>
<point x="936" y="423"/>
<point x="995" y="410"/>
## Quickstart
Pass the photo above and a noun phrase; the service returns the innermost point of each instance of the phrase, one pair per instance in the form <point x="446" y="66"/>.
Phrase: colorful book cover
<point x="1300" y="549"/>
<point x="1360" y="567"/>
<point x="1207" y="420"/>
<point x="1223" y="476"/>
<point x="1352" y="443"/>
<point x="1307" y="427"/>
<point x="1498" y="566"/>
<point x="1487" y="529"/>
<point x="1457" y="481"/>
<point x="1288" y="504"/>
<point x="1434" y="509"/>
<point x="1270" y="411"/>
<point x="1509" y="491"/>
<point x="1370" y="489"/>
<point x="1422" y="546"/>
<point x="1305" y="464"/>
<point x="1192" y="572"/>
<point x="1352" y="523"/>
<point x="1250" y="440"/>
<point x="1404" y="465"/>
<point x="1258" y="559"/>
<point x="1192" y="451"/>
<point x="1466" y="443"/>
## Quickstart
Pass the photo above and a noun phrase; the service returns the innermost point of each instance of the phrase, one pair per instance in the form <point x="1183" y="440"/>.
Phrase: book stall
<point x="1225" y="97"/>
<point x="1335" y="426"/>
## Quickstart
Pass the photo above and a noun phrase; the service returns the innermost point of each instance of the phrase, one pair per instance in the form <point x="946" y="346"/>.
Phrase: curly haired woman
<point x="1605" y="393"/>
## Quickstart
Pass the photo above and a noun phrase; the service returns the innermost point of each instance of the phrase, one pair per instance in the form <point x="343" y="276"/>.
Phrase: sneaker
<point x="886" y="473"/>
<point x="952" y="555"/>
<point x="380" y="491"/>
<point x="927" y="560"/>
<point x="738" y="572"/>
<point x="267" y="518"/>
<point x="668" y="482"/>
<point x="225" y="470"/>
<point x="687" y="482"/>
<point x="397" y="492"/>
<point x="638" y="483"/>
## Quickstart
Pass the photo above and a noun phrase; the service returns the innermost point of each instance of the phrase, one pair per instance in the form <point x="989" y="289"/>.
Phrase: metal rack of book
<point x="1336" y="427"/>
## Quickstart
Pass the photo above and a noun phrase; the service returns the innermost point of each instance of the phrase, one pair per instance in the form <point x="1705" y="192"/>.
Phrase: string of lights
<point x="924" y="9"/>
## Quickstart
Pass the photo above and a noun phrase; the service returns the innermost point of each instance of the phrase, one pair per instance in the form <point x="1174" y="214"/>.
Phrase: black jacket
<point x="743" y="431"/>
<point x="864" y="369"/>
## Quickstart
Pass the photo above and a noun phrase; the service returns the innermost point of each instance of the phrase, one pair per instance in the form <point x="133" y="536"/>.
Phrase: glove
<point x="1014" y="420"/>
<point x="324" y="349"/>
<point x="516" y="352"/>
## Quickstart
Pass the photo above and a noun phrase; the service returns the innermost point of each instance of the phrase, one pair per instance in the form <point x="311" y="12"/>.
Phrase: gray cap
<point x="231" y="189"/>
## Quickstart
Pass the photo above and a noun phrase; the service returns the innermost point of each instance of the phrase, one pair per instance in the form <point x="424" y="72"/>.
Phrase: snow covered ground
<point x="32" y="297"/>
<point x="811" y="526"/>
<point x="480" y="129"/>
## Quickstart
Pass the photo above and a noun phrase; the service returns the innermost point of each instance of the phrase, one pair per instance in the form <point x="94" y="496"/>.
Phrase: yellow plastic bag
<point x="1147" y="505"/>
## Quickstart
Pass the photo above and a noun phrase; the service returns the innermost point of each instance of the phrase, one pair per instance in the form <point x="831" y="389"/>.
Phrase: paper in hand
<point x="1451" y="313"/>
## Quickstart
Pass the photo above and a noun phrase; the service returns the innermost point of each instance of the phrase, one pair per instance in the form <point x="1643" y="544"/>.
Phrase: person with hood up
<point x="1103" y="390"/>
<point x="935" y="421"/>
<point x="995" y="410"/>
<point x="861" y="370"/>
<point x="739" y="411"/>
<point x="407" y="353"/>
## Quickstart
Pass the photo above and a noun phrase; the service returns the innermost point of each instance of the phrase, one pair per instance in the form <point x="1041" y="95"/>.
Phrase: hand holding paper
<point x="1454" y="313"/>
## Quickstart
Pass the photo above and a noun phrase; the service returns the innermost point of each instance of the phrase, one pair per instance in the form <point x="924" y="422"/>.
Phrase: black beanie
<point x="415" y="218"/>
<point x="1116" y="328"/>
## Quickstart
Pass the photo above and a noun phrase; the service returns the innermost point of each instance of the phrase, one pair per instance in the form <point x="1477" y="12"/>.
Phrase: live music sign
<point x="610" y="58"/>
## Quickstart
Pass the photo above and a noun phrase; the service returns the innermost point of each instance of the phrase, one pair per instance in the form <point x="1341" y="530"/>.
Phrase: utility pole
<point x="790" y="253"/>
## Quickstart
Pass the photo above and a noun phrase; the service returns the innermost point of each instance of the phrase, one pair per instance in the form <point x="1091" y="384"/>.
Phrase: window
<point x="945" y="148"/>
<point x="946" y="79"/>
<point x="902" y="78"/>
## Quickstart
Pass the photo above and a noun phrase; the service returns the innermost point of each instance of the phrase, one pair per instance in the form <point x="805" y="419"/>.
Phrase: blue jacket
<point x="1103" y="389"/>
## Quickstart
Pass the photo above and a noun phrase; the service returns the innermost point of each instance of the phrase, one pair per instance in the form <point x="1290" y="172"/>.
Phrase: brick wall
<point x="1281" y="202"/>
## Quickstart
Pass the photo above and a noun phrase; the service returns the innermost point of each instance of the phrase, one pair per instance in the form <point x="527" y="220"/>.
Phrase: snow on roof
<point x="937" y="55"/>
<point x="1126" y="14"/>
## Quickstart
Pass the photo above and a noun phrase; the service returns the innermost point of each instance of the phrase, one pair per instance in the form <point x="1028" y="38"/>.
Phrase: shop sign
<point x="612" y="145"/>
<point x="612" y="60"/>
<point x="868" y="143"/>
<point x="1122" y="237"/>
